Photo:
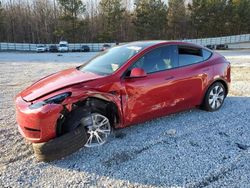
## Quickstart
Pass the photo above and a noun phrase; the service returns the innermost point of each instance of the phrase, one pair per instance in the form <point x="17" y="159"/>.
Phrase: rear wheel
<point x="215" y="96"/>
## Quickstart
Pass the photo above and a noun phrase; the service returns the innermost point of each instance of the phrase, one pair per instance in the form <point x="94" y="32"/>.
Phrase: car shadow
<point x="188" y="148"/>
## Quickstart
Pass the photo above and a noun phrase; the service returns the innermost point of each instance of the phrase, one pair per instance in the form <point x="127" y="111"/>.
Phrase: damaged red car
<point x="122" y="86"/>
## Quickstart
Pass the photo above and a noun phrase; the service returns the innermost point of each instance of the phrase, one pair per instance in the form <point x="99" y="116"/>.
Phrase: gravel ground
<point x="189" y="149"/>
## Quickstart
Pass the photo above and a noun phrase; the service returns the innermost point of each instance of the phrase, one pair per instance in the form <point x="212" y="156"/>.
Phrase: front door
<point x="151" y="96"/>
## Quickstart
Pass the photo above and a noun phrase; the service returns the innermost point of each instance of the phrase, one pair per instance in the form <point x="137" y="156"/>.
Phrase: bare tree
<point x="48" y="21"/>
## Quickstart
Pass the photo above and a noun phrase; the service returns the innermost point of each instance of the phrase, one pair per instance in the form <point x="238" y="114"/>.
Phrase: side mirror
<point x="137" y="73"/>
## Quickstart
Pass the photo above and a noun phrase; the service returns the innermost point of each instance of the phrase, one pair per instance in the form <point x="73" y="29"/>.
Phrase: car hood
<point x="56" y="81"/>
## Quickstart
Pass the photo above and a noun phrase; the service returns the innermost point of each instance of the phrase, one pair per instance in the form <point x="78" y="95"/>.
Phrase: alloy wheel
<point x="216" y="97"/>
<point x="99" y="131"/>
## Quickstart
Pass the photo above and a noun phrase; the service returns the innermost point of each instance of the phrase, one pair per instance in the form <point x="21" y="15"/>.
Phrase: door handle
<point x="169" y="78"/>
<point x="207" y="69"/>
<point x="113" y="92"/>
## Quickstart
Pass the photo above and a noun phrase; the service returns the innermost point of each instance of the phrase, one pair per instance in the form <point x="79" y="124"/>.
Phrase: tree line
<point x="48" y="21"/>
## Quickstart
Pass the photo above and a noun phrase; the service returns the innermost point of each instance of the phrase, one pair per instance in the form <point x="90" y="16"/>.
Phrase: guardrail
<point x="220" y="40"/>
<point x="97" y="46"/>
<point x="32" y="47"/>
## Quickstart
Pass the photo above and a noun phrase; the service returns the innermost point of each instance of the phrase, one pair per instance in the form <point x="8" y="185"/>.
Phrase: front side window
<point x="159" y="59"/>
<point x="189" y="55"/>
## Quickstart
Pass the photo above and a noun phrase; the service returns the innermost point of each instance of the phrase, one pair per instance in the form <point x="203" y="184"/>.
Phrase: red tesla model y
<point x="124" y="85"/>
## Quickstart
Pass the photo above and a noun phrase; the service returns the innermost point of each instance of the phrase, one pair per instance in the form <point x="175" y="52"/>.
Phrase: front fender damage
<point x="61" y="146"/>
<point x="95" y="99"/>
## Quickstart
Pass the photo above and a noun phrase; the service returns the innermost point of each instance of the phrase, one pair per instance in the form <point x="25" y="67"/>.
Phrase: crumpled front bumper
<point x="37" y="125"/>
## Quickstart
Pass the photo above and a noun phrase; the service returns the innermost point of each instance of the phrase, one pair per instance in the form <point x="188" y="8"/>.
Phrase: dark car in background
<point x="53" y="48"/>
<point x="211" y="47"/>
<point x="105" y="47"/>
<point x="85" y="48"/>
<point x="222" y="47"/>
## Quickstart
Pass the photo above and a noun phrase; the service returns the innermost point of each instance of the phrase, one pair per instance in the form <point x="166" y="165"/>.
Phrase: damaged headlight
<point x="53" y="100"/>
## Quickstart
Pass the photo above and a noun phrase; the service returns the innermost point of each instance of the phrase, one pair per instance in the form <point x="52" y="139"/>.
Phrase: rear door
<point x="193" y="74"/>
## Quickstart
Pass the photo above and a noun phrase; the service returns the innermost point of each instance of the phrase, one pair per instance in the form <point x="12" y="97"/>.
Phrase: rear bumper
<point x="37" y="125"/>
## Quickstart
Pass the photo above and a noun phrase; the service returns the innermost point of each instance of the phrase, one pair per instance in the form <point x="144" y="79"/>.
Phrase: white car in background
<point x="41" y="48"/>
<point x="63" y="46"/>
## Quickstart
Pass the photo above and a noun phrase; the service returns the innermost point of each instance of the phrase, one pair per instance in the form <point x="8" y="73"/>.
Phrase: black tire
<point x="82" y="116"/>
<point x="61" y="146"/>
<point x="206" y="105"/>
<point x="73" y="119"/>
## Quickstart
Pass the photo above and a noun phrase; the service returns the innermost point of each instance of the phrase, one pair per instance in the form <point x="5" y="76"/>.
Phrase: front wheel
<point x="96" y="123"/>
<point x="215" y="96"/>
<point x="99" y="131"/>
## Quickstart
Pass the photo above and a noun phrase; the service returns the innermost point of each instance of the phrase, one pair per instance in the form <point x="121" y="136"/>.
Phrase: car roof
<point x="151" y="43"/>
<point x="144" y="44"/>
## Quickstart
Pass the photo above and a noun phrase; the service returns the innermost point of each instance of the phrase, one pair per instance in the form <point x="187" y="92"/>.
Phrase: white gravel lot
<point x="208" y="149"/>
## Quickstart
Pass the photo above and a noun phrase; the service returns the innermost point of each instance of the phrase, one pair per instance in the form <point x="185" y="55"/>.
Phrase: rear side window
<point x="206" y="54"/>
<point x="189" y="55"/>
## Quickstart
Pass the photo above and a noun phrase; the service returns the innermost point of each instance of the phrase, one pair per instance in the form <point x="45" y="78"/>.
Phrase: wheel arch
<point x="109" y="107"/>
<point x="220" y="80"/>
<point x="107" y="103"/>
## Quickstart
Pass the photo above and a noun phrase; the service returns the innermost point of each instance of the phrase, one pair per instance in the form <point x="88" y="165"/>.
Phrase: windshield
<point x="109" y="61"/>
<point x="63" y="45"/>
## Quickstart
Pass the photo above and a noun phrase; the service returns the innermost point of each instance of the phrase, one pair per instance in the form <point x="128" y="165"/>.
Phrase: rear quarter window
<point x="206" y="54"/>
<point x="189" y="55"/>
